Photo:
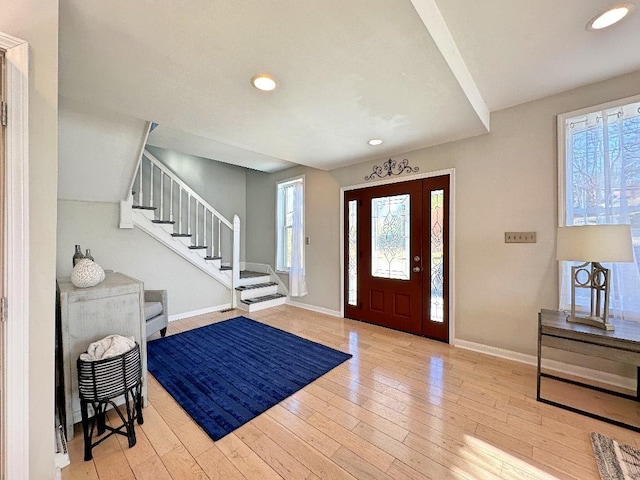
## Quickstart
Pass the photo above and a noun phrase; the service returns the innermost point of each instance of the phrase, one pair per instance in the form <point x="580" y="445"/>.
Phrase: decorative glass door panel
<point x="390" y="235"/>
<point x="437" y="256"/>
<point x="352" y="256"/>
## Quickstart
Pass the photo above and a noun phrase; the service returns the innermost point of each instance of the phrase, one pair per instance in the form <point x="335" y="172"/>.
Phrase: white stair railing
<point x="156" y="186"/>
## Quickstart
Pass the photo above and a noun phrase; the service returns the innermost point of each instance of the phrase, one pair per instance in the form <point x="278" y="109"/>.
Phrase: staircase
<point x="257" y="291"/>
<point x="163" y="206"/>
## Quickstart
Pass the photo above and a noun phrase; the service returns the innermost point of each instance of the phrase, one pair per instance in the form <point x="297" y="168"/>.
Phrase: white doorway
<point x="14" y="271"/>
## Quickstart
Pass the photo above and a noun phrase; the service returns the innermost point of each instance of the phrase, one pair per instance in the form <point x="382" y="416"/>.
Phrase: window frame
<point x="562" y="142"/>
<point x="562" y="162"/>
<point x="280" y="253"/>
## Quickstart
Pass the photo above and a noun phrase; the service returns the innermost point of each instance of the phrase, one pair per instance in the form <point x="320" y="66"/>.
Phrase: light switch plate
<point x="519" y="237"/>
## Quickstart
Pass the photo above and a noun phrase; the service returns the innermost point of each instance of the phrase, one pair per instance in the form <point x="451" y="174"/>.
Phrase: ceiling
<point x="414" y="73"/>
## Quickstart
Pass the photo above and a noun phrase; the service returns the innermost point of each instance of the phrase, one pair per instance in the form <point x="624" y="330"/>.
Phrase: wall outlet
<point x="519" y="237"/>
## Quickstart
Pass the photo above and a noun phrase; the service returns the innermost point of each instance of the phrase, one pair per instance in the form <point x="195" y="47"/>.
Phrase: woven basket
<point x="101" y="380"/>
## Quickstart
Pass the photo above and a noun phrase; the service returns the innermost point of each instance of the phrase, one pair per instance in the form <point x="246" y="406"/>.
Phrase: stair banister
<point x="188" y="189"/>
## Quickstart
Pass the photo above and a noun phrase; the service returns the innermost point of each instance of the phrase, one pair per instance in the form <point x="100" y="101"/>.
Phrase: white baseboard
<point x="567" y="369"/>
<point x="313" y="308"/>
<point x="180" y="316"/>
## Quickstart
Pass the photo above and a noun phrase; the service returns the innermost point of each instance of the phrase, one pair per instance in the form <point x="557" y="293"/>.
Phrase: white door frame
<point x="452" y="235"/>
<point x="16" y="360"/>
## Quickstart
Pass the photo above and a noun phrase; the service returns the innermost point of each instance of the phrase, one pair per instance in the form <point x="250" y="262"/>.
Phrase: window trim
<point x="562" y="165"/>
<point x="299" y="178"/>
<point x="562" y="142"/>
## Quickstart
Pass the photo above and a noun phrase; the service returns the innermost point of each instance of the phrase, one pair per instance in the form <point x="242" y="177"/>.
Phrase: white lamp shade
<point x="595" y="243"/>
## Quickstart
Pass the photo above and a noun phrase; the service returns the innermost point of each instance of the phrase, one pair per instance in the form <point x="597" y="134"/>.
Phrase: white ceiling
<point x="412" y="72"/>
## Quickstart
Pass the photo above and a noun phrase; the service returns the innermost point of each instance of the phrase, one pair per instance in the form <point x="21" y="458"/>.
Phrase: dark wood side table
<point x="621" y="345"/>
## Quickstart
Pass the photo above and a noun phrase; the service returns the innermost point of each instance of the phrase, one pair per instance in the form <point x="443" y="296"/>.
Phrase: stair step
<point x="225" y="268"/>
<point x="209" y="257"/>
<point x="198" y="247"/>
<point x="181" y="235"/>
<point x="255" y="285"/>
<point x="142" y="207"/>
<point x="164" y="222"/>
<point x="250" y="274"/>
<point x="265" y="298"/>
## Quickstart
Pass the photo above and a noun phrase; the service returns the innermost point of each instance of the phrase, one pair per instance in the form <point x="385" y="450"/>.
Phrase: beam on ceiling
<point x="436" y="26"/>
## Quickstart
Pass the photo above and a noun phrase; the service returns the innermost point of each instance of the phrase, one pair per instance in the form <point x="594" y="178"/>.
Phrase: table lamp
<point x="594" y="244"/>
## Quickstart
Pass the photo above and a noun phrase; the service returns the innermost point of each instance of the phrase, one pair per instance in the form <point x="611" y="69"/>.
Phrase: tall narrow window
<point x="599" y="180"/>
<point x="437" y="256"/>
<point x="290" y="234"/>
<point x="352" y="267"/>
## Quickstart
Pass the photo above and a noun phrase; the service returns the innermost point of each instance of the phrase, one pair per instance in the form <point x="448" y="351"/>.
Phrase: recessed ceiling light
<point x="611" y="16"/>
<point x="264" y="82"/>
<point x="375" y="141"/>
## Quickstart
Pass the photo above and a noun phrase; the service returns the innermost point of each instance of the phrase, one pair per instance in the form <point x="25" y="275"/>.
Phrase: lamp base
<point x="592" y="321"/>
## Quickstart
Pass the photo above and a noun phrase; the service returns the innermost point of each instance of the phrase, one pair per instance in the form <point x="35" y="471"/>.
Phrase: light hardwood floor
<point x="403" y="407"/>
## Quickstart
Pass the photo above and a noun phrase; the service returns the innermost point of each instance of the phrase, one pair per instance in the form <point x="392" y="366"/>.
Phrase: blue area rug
<point x="227" y="373"/>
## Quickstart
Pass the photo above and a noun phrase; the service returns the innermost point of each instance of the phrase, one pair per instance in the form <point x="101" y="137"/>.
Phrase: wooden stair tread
<point x="142" y="207"/>
<point x="251" y="274"/>
<point x="265" y="298"/>
<point x="197" y="247"/>
<point x="164" y="222"/>
<point x="181" y="235"/>
<point x="255" y="285"/>
<point x="209" y="257"/>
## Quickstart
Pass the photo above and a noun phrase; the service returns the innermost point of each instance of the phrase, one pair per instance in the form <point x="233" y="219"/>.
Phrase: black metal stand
<point x="100" y="383"/>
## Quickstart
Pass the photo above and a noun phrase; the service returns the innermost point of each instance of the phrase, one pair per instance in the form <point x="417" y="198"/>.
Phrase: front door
<point x="396" y="256"/>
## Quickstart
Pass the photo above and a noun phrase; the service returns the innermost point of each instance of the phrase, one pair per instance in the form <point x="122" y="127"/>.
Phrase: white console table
<point x="85" y="315"/>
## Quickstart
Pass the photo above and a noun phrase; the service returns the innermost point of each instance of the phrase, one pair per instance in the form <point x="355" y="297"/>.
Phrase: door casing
<point x="451" y="173"/>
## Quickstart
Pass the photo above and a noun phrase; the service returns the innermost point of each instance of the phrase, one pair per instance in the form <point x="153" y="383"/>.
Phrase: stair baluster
<point x="151" y="186"/>
<point x="162" y="195"/>
<point x="170" y="199"/>
<point x="180" y="212"/>
<point x="219" y="238"/>
<point x="140" y="185"/>
<point x="188" y="212"/>
<point x="197" y="223"/>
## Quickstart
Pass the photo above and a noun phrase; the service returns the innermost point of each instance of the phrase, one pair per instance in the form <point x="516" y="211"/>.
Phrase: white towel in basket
<point x="108" y="347"/>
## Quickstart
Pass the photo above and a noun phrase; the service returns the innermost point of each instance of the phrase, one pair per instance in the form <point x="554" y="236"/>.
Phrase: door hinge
<point x="3" y="114"/>
<point x="3" y="309"/>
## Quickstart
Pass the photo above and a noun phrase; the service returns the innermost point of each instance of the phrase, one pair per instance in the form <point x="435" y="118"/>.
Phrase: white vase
<point x="86" y="273"/>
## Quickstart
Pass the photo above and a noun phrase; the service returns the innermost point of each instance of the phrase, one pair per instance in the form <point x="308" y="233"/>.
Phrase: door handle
<point x="416" y="269"/>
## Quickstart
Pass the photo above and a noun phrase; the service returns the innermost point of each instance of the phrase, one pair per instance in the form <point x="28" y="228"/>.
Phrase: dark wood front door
<point x="396" y="256"/>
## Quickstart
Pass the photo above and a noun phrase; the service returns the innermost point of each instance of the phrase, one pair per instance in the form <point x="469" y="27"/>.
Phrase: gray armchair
<point x="156" y="313"/>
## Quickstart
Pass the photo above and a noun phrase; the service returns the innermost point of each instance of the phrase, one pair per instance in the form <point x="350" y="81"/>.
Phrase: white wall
<point x="505" y="181"/>
<point x="36" y="21"/>
<point x="98" y="152"/>
<point x="94" y="225"/>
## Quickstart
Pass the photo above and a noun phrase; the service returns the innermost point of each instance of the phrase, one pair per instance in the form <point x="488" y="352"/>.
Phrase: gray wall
<point x="94" y="225"/>
<point x="220" y="184"/>
<point x="505" y="181"/>
<point x="98" y="151"/>
<point x="322" y="227"/>
<point x="36" y="21"/>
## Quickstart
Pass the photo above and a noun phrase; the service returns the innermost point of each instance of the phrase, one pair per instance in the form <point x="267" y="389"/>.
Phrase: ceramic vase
<point x="86" y="273"/>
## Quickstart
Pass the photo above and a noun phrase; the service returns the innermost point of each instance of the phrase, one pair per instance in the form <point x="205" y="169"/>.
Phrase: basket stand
<point x="100" y="383"/>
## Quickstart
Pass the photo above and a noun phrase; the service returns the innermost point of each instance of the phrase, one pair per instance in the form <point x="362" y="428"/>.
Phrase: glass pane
<point x="352" y="267"/>
<point x="390" y="236"/>
<point x="602" y="185"/>
<point x="437" y="256"/>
